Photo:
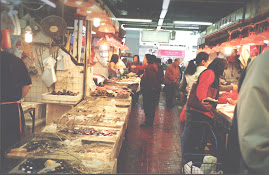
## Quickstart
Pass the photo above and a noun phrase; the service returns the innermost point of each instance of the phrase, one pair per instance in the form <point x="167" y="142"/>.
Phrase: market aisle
<point x="152" y="150"/>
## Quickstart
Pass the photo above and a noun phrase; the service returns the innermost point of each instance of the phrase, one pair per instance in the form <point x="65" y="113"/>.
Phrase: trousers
<point x="149" y="105"/>
<point x="195" y="135"/>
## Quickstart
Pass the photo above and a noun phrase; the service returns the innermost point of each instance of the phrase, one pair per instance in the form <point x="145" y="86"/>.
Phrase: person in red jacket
<point x="196" y="134"/>
<point x="149" y="83"/>
<point x="171" y="81"/>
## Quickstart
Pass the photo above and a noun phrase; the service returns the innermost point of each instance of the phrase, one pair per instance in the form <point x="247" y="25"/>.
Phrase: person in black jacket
<point x="15" y="84"/>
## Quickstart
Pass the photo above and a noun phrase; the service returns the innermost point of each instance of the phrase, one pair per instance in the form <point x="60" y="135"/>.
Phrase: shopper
<point x="171" y="82"/>
<point x="196" y="135"/>
<point x="135" y="62"/>
<point x="15" y="84"/>
<point x="112" y="70"/>
<point x="253" y="118"/>
<point x="149" y="83"/>
<point x="191" y="74"/>
<point x="160" y="77"/>
<point x="132" y="68"/>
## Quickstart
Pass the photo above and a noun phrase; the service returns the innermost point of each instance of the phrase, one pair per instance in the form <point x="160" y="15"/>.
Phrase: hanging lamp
<point x="216" y="48"/>
<point x="79" y="3"/>
<point x="199" y="50"/>
<point x="207" y="50"/>
<point x="262" y="38"/>
<point x="235" y="43"/>
<point x="249" y="40"/>
<point x="124" y="47"/>
<point x="103" y="41"/>
<point x="106" y="29"/>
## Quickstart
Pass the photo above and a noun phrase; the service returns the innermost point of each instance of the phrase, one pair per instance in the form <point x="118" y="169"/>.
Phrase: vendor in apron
<point x="15" y="84"/>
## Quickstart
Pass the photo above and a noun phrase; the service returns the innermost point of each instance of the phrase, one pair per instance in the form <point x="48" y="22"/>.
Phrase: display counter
<point x="85" y="139"/>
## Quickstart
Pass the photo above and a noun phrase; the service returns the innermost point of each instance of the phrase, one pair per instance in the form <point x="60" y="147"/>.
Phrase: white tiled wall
<point x="71" y="79"/>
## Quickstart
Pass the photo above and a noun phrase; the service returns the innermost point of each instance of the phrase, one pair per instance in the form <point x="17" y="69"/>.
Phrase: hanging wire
<point x="32" y="8"/>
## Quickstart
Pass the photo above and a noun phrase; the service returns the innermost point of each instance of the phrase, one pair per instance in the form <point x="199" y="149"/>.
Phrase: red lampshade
<point x="124" y="47"/>
<point x="249" y="40"/>
<point x="235" y="43"/>
<point x="199" y="50"/>
<point x="216" y="48"/>
<point x="103" y="41"/>
<point x="207" y="50"/>
<point x="261" y="37"/>
<point x="106" y="28"/>
<point x="78" y="3"/>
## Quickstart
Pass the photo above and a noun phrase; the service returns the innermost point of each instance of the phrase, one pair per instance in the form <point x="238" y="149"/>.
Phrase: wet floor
<point x="152" y="150"/>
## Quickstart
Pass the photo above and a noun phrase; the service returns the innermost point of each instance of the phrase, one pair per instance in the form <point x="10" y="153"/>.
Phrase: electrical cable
<point x="32" y="8"/>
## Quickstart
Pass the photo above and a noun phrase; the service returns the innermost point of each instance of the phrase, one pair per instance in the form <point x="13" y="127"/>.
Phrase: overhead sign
<point x="155" y="36"/>
<point x="171" y="53"/>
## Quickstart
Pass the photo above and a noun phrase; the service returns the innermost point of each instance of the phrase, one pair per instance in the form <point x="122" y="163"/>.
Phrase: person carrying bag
<point x="202" y="99"/>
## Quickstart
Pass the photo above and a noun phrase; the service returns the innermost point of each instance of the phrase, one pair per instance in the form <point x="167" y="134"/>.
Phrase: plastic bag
<point x="190" y="169"/>
<point x="49" y="76"/>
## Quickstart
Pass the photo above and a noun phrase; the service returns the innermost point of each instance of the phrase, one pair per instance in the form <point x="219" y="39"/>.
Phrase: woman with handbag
<point x="191" y="74"/>
<point x="202" y="99"/>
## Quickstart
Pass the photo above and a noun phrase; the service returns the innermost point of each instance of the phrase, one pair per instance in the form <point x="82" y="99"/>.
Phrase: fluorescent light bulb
<point x="96" y="22"/>
<point x="163" y="13"/>
<point x="130" y="28"/>
<point x="193" y="22"/>
<point x="166" y="4"/>
<point x="160" y="22"/>
<point x="78" y="2"/>
<point x="132" y="20"/>
<point x="183" y="27"/>
<point x="28" y="37"/>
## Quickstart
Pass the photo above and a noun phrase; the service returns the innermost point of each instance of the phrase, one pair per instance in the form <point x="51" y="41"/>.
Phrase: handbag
<point x="194" y="102"/>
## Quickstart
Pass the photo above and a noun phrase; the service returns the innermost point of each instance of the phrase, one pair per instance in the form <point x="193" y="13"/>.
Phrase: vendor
<point x="131" y="66"/>
<point x="15" y="84"/>
<point x="112" y="70"/>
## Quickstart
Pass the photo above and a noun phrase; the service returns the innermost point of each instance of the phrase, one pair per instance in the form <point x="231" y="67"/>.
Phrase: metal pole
<point x="86" y="79"/>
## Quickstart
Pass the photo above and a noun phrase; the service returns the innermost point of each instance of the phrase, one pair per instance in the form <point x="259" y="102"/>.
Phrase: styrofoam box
<point x="61" y="98"/>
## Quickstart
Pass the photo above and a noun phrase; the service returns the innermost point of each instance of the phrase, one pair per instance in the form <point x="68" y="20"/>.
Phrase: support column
<point x="87" y="68"/>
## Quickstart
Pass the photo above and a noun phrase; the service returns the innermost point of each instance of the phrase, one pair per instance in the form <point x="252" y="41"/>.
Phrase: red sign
<point x="171" y="53"/>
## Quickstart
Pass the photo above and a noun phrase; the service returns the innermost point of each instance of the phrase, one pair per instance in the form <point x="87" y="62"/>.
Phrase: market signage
<point x="171" y="53"/>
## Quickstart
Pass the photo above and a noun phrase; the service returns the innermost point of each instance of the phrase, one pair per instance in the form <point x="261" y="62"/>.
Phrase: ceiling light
<point x="166" y="4"/>
<point x="130" y="28"/>
<point x="28" y="34"/>
<point x="163" y="13"/>
<point x="78" y="2"/>
<point x="192" y="22"/>
<point x="160" y="22"/>
<point x="93" y="32"/>
<point x="132" y="20"/>
<point x="96" y="22"/>
<point x="88" y="11"/>
<point x="183" y="27"/>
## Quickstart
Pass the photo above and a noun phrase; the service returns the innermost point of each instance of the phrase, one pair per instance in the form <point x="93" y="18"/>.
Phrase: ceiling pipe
<point x="163" y="13"/>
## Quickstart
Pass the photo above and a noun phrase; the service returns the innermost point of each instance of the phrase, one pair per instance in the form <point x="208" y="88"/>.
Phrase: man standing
<point x="15" y="84"/>
<point x="171" y="81"/>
